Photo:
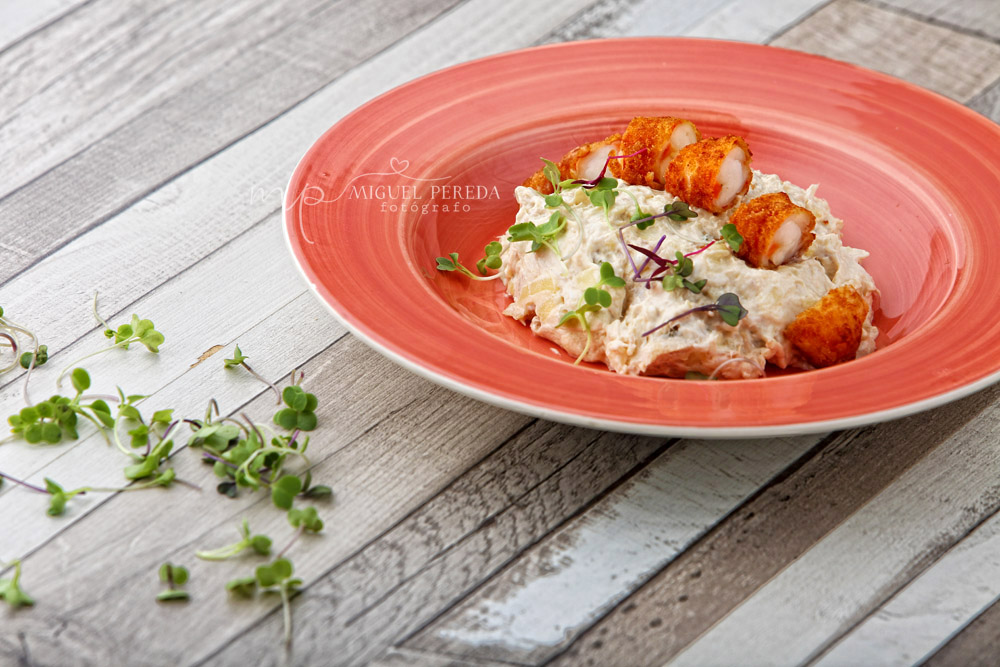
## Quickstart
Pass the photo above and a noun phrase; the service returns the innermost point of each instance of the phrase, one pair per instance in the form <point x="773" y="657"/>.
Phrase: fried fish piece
<point x="662" y="137"/>
<point x="710" y="173"/>
<point x="829" y="332"/>
<point x="774" y="230"/>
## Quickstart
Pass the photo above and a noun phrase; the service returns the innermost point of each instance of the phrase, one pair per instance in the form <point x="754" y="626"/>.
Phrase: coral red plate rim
<point x="376" y="274"/>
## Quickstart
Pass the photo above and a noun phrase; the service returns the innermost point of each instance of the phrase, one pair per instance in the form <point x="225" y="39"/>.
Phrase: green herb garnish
<point x="593" y="299"/>
<point x="677" y="275"/>
<point x="728" y="306"/>
<point x="732" y="236"/>
<point x="11" y="591"/>
<point x="173" y="576"/>
<point x="261" y="544"/>
<point x="491" y="260"/>
<point x="137" y="331"/>
<point x="274" y="577"/>
<point x="240" y="359"/>
<point x="539" y="235"/>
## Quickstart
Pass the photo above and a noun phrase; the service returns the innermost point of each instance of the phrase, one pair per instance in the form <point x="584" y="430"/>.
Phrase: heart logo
<point x="398" y="166"/>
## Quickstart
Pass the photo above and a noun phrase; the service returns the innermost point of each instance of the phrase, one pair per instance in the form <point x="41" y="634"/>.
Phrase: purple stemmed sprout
<point x="661" y="262"/>
<point x="728" y="306"/>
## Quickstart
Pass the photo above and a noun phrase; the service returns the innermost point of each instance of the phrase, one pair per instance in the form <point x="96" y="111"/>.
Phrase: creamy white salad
<point x="548" y="283"/>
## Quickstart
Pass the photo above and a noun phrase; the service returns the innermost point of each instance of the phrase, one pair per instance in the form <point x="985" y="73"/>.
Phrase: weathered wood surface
<point x="223" y="98"/>
<point x="460" y="533"/>
<point x="21" y="19"/>
<point x="979" y="17"/>
<point x="954" y="64"/>
<point x="538" y="606"/>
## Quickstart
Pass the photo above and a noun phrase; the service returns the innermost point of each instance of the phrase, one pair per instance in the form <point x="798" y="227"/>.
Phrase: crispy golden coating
<point x="829" y="332"/>
<point x="758" y="222"/>
<point x="654" y="134"/>
<point x="569" y="165"/>
<point x="693" y="175"/>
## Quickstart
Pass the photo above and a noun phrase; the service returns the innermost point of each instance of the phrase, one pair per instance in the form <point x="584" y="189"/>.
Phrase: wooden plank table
<point x="132" y="138"/>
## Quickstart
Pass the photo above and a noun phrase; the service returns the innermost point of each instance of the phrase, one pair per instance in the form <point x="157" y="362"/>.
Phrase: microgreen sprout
<point x="728" y="306"/>
<point x="317" y="491"/>
<point x="593" y="299"/>
<point x="301" y="411"/>
<point x="674" y="272"/>
<point x="38" y="358"/>
<point x="491" y="260"/>
<point x="173" y="576"/>
<point x="248" y="462"/>
<point x="239" y="359"/>
<point x="60" y="496"/>
<point x="10" y="331"/>
<point x="51" y="420"/>
<point x="275" y="577"/>
<point x="732" y="236"/>
<point x="11" y="591"/>
<point x="284" y="490"/>
<point x="260" y="544"/>
<point x="137" y="331"/>
<point x="543" y="235"/>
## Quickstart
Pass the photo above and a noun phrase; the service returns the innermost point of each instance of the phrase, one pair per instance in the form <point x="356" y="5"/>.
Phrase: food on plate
<point x="652" y="143"/>
<point x="710" y="173"/>
<point x="686" y="263"/>
<point x="584" y="162"/>
<point x="830" y="331"/>
<point x="774" y="230"/>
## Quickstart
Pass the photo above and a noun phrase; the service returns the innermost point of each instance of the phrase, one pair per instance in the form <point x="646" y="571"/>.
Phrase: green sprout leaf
<point x="301" y="411"/>
<point x="307" y="518"/>
<point x="11" y="591"/>
<point x="81" y="380"/>
<point x="260" y="544"/>
<point x="284" y="490"/>
<point x="678" y="211"/>
<point x="732" y="236"/>
<point x="730" y="309"/>
<point x="543" y="235"/>
<point x="238" y="358"/>
<point x="173" y="576"/>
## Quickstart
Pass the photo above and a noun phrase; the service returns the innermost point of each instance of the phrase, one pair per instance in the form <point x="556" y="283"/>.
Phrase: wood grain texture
<point x="190" y="218"/>
<point x="483" y="520"/>
<point x="977" y="645"/>
<point x="408" y="658"/>
<point x="126" y="58"/>
<point x="951" y="63"/>
<point x="749" y="21"/>
<point x="924" y="614"/>
<point x="764" y="536"/>
<point x="243" y="93"/>
<point x="975" y="16"/>
<point x="624" y="18"/>
<point x="21" y="19"/>
<point x="386" y="448"/>
<point x="538" y="605"/>
<point x="168" y="377"/>
<point x="987" y="102"/>
<point x="867" y="558"/>
<point x="754" y="20"/>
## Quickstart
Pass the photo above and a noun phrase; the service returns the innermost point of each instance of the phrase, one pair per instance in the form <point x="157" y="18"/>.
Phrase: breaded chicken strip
<point x="662" y="137"/>
<point x="774" y="230"/>
<point x="711" y="173"/>
<point x="583" y="162"/>
<point x="829" y="332"/>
